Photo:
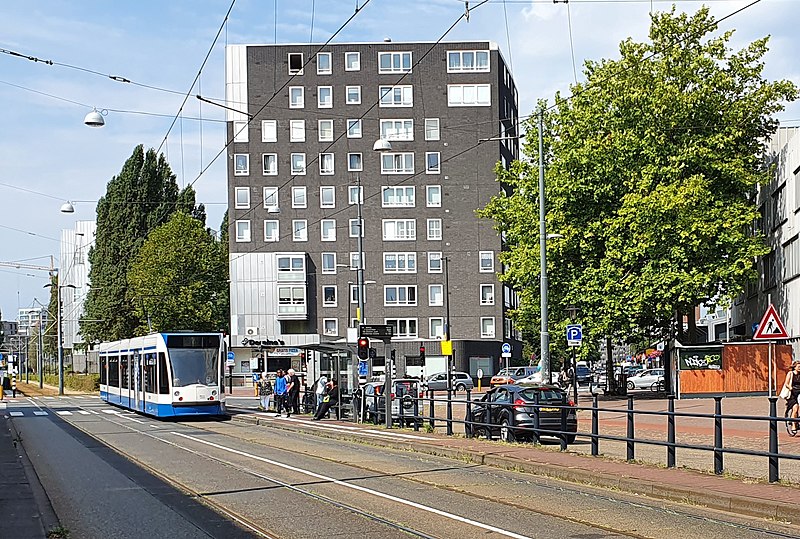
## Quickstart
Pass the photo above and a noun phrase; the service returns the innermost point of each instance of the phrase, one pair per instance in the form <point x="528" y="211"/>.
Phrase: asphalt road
<point x="166" y="476"/>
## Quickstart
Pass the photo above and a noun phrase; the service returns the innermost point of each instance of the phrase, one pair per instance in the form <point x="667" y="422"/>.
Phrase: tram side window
<point x="124" y="371"/>
<point x="150" y="373"/>
<point x="163" y="375"/>
<point x="103" y="365"/>
<point x="113" y="371"/>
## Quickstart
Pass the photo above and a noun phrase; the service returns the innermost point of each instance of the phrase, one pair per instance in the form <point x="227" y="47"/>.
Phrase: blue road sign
<point x="362" y="368"/>
<point x="1" y="357"/>
<point x="574" y="334"/>
<point x="231" y="355"/>
<point x="506" y="348"/>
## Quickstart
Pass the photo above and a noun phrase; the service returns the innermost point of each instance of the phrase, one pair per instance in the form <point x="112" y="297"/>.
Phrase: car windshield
<point x="545" y="395"/>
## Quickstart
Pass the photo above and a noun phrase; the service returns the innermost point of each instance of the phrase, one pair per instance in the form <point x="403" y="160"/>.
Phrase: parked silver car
<point x="438" y="382"/>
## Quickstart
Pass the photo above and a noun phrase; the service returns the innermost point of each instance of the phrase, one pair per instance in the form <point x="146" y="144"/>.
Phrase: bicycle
<point x="659" y="386"/>
<point x="789" y="422"/>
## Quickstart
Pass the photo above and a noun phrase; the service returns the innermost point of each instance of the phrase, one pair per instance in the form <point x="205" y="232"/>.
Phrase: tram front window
<point x="193" y="366"/>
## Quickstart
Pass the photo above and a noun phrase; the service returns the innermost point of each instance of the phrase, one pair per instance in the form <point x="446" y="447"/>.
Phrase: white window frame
<point x="326" y="104"/>
<point x="354" y="260"/>
<point x="403" y="327"/>
<point x="396" y="96"/>
<point x="358" y="191"/>
<point x="296" y="299"/>
<point x="404" y="262"/>
<point x="277" y="236"/>
<point x="297" y="130"/>
<point x="398" y="163"/>
<point x="434" y="256"/>
<point x="401" y="196"/>
<point x="295" y="170"/>
<point x="330" y="269"/>
<point x="295" y="71"/>
<point x="431" y="200"/>
<point x="326" y="159"/>
<point x="265" y="170"/>
<point x="242" y="228"/>
<point x="326" y="302"/>
<point x="360" y="167"/>
<point x="331" y="224"/>
<point x="491" y="331"/>
<point x="459" y="68"/>
<point x="352" y="66"/>
<point x="334" y="330"/>
<point x="432" y="330"/>
<point x="325" y="130"/>
<point x="320" y="69"/>
<point x="432" y="302"/>
<point x="299" y="230"/>
<point x="241" y="132"/>
<point x="354" y="128"/>
<point x="356" y="95"/>
<point x="299" y="103"/>
<point x="270" y="193"/>
<point x="241" y="164"/>
<point x="330" y="189"/>
<point x="397" y="129"/>
<point x="434" y="229"/>
<point x="404" y="290"/>
<point x="352" y="224"/>
<point x="432" y="133"/>
<point x="409" y="232"/>
<point x="486" y="298"/>
<point x="397" y="62"/>
<point x="481" y="257"/>
<point x="269" y="130"/>
<point x="299" y="197"/>
<point x="468" y="95"/>
<point x="291" y="267"/>
<point x="429" y="169"/>
<point x="241" y="198"/>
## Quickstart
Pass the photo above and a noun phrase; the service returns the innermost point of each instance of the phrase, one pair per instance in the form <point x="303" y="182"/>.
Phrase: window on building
<point x="242" y="231"/>
<point x="300" y="230"/>
<point x="329" y="296"/>
<point x="431" y="128"/>
<point x="270" y="164"/>
<point x="487" y="294"/>
<point x="298" y="163"/>
<point x="779" y="206"/>
<point x="403" y="328"/>
<point x="399" y="262"/>
<point x="486" y="261"/>
<point x="396" y="96"/>
<point x="435" y="295"/>
<point x="324" y="63"/>
<point x="355" y="194"/>
<point x="296" y="97"/>
<point x="436" y="328"/>
<point x="487" y="328"/>
<point x="433" y="196"/>
<point x="326" y="163"/>
<point x="328" y="230"/>
<point x="271" y="198"/>
<point x="354" y="257"/>
<point x="354" y="228"/>
<point x="353" y="95"/>
<point x="770" y="270"/>
<point x="299" y="199"/>
<point x="434" y="229"/>
<point x="240" y="132"/>
<point x="291" y="267"/>
<point x="398" y="197"/>
<point x="324" y="97"/>
<point x="269" y="130"/>
<point x="242" y="198"/>
<point x="434" y="262"/>
<point x="297" y="130"/>
<point x="271" y="231"/>
<point x="328" y="262"/>
<point x="432" y="163"/>
<point x="467" y="61"/>
<point x="241" y="164"/>
<point x="295" y="63"/>
<point x="399" y="229"/>
<point x="327" y="196"/>
<point x="352" y="61"/>
<point x="399" y="295"/>
<point x="353" y="128"/>
<point x="325" y="130"/>
<point x="291" y="299"/>
<point x="397" y="163"/>
<point x="330" y="327"/>
<point x="397" y="129"/>
<point x="354" y="162"/>
<point x="466" y="95"/>
<point x="394" y="62"/>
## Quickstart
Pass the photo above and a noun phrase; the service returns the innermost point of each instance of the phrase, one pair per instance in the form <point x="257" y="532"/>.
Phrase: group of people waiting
<point x="285" y="394"/>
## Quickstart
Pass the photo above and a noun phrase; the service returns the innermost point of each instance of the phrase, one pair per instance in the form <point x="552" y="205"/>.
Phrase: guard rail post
<point x="563" y="435"/>
<point x="468" y="429"/>
<point x="595" y="427"/>
<point x="376" y="416"/>
<point x="630" y="446"/>
<point x="718" y="454"/>
<point x="671" y="432"/>
<point x="416" y="412"/>
<point x="536" y="422"/>
<point x="449" y="406"/>
<point x="773" y="440"/>
<point x="433" y="409"/>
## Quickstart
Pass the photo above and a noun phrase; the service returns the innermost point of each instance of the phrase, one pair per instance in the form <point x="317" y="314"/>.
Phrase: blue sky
<point x="47" y="155"/>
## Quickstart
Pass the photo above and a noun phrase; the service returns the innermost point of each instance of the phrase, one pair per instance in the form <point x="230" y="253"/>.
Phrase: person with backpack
<point x="319" y="391"/>
<point x="280" y="391"/>
<point x="330" y="399"/>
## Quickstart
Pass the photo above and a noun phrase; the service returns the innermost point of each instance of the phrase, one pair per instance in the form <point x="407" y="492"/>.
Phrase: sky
<point x="169" y="49"/>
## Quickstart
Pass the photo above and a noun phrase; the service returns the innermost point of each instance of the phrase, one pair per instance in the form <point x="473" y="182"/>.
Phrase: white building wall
<point x="74" y="271"/>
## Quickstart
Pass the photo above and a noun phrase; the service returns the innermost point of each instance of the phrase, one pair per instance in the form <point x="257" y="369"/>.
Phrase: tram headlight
<point x="214" y="392"/>
<point x="177" y="393"/>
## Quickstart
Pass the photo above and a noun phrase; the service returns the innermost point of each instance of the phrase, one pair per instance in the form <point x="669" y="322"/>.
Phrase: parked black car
<point x="506" y="399"/>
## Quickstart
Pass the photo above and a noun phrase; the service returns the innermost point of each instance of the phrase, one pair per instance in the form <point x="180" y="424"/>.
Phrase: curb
<point x="732" y="503"/>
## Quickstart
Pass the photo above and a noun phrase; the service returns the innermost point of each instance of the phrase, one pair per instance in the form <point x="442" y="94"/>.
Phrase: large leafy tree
<point x="178" y="280"/>
<point x="652" y="164"/>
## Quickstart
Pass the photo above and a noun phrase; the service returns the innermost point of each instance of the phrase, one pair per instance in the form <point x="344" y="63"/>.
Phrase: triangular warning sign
<point x="771" y="326"/>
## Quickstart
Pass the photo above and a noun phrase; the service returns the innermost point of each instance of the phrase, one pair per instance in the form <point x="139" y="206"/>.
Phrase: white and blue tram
<point x="164" y="374"/>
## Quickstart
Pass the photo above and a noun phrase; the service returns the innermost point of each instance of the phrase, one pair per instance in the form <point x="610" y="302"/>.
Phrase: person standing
<point x="319" y="391"/>
<point x="791" y="386"/>
<point x="264" y="391"/>
<point x="293" y="388"/>
<point x="330" y="399"/>
<point x="280" y="391"/>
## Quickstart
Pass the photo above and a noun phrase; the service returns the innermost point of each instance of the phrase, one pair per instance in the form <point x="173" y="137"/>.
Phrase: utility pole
<point x="547" y="375"/>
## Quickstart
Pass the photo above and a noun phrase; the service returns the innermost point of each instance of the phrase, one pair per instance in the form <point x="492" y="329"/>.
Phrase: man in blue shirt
<point x="280" y="391"/>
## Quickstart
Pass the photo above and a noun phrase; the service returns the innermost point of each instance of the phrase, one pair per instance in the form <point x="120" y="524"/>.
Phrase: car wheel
<point x="461" y="387"/>
<point x="631" y="385"/>
<point x="506" y="434"/>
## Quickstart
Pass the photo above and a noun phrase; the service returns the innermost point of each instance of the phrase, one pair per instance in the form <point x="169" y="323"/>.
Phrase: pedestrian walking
<point x="330" y="399"/>
<point x="293" y="389"/>
<point x="791" y="391"/>
<point x="319" y="391"/>
<point x="265" y="392"/>
<point x="280" y="391"/>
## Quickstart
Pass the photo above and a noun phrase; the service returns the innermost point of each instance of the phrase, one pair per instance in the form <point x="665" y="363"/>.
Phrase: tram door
<point x="137" y="378"/>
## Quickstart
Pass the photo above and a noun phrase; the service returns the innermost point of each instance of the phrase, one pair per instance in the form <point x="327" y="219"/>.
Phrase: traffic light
<point x="373" y="353"/>
<point x="422" y="353"/>
<point x="363" y="348"/>
<point x="393" y="354"/>
<point x="261" y="364"/>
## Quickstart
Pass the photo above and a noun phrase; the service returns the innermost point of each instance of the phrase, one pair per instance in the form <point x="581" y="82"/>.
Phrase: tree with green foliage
<point x="652" y="165"/>
<point x="178" y="279"/>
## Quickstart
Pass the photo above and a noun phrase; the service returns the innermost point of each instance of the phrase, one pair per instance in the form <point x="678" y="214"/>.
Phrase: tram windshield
<point x="194" y="359"/>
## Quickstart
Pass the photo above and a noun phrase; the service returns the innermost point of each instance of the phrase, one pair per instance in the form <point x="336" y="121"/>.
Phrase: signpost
<point x="770" y="329"/>
<point x="230" y="361"/>
<point x="506" y="353"/>
<point x="479" y="374"/>
<point x="574" y="339"/>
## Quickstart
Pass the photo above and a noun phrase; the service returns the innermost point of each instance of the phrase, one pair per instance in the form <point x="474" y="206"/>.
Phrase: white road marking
<point x="129" y="418"/>
<point x="63" y="412"/>
<point x="115" y="412"/>
<point x="83" y="412"/>
<point x="358" y="488"/>
<point x="96" y="413"/>
<point x="154" y="426"/>
<point x="39" y="412"/>
<point x="15" y="414"/>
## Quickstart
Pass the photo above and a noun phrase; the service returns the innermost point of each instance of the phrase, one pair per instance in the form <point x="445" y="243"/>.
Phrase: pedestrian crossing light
<point x="422" y="353"/>
<point x="363" y="348"/>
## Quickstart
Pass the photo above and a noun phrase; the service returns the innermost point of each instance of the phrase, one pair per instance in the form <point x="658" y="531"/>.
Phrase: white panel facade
<point x="74" y="272"/>
<point x="236" y="82"/>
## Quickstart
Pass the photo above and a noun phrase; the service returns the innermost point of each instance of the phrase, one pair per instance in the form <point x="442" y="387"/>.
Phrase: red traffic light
<point x="363" y="341"/>
<point x="421" y="349"/>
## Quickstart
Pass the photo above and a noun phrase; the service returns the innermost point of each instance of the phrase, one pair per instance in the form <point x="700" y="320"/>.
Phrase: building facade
<point x="74" y="279"/>
<point x="303" y="122"/>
